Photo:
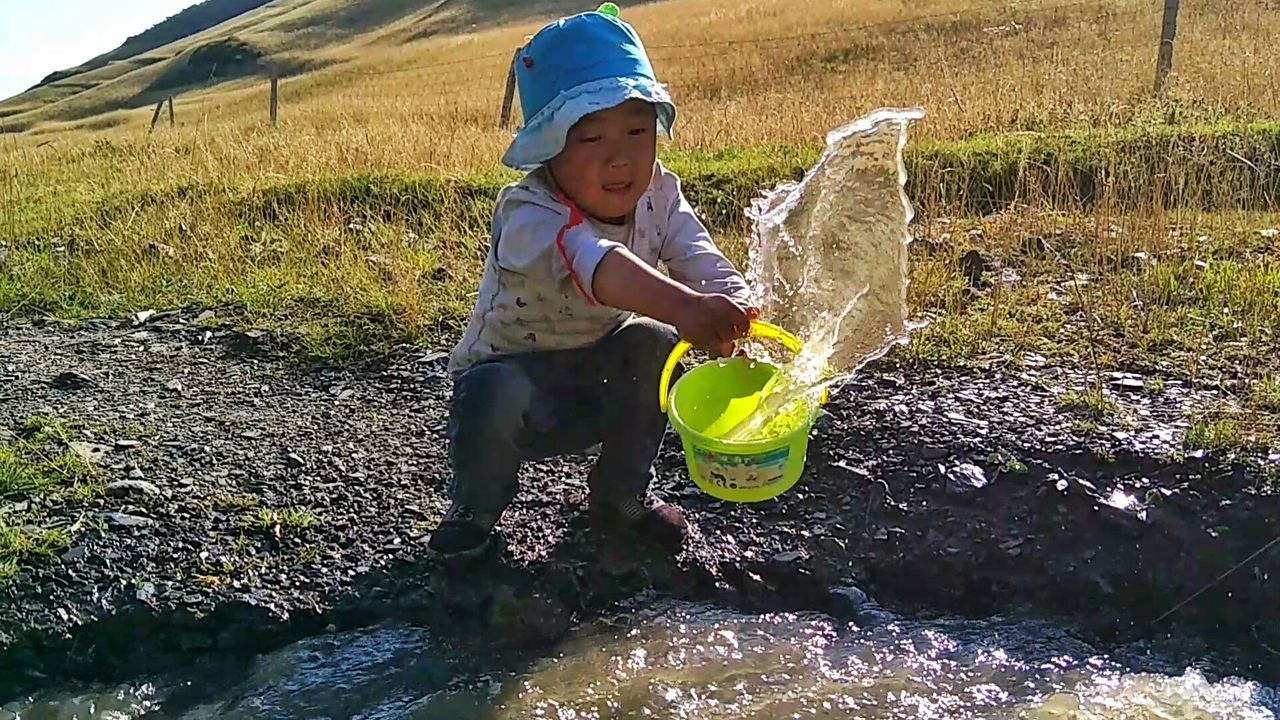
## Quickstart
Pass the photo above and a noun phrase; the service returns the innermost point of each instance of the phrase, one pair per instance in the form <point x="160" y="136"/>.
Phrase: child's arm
<point x="691" y="255"/>
<point x="707" y="321"/>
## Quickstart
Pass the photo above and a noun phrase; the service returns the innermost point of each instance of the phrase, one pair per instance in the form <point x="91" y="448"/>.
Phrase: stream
<point x="695" y="662"/>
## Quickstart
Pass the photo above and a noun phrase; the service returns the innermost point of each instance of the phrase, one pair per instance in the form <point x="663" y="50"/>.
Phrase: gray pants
<point x="538" y="405"/>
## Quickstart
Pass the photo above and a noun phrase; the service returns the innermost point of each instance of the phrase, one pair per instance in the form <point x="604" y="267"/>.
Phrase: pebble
<point x="964" y="478"/>
<point x="89" y="452"/>
<point x="70" y="380"/>
<point x="931" y="452"/>
<point x="120" y="519"/>
<point x="130" y="487"/>
<point x="76" y="553"/>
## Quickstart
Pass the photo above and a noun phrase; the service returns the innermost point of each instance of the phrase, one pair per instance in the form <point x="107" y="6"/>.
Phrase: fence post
<point x="275" y="96"/>
<point x="155" y="116"/>
<point x="508" y="97"/>
<point x="170" y="111"/>
<point x="1168" y="31"/>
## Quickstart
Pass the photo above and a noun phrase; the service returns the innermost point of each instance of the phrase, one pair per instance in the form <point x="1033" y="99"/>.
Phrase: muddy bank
<point x="270" y="502"/>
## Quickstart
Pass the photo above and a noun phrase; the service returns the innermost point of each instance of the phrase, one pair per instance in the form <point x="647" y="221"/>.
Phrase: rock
<point x="146" y="592"/>
<point x="379" y="260"/>
<point x="160" y="249"/>
<point x="973" y="266"/>
<point x="963" y="478"/>
<point x="846" y="602"/>
<point x="174" y="385"/>
<point x="1270" y="233"/>
<point x="931" y="452"/>
<point x="788" y="557"/>
<point x="75" y="554"/>
<point x="1035" y="246"/>
<point x="206" y="316"/>
<point x="830" y="543"/>
<point x="136" y="473"/>
<point x="127" y="444"/>
<point x="89" y="452"/>
<point x="119" y="519"/>
<point x="142" y="316"/>
<point x="71" y="380"/>
<point x="294" y="461"/>
<point x="130" y="487"/>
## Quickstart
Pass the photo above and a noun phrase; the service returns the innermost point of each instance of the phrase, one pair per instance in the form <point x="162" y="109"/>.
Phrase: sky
<point x="40" y="36"/>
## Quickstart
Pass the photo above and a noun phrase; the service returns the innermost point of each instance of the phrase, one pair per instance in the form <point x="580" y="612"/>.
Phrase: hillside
<point x="222" y="41"/>
<point x="185" y="23"/>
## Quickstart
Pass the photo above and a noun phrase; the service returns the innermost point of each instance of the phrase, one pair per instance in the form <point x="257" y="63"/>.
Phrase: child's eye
<point x="640" y="131"/>
<point x="589" y="139"/>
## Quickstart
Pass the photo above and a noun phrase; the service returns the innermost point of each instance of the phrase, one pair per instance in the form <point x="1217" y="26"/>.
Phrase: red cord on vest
<point x="575" y="219"/>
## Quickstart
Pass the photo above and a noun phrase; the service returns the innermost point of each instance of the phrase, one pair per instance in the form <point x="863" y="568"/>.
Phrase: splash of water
<point x="828" y="261"/>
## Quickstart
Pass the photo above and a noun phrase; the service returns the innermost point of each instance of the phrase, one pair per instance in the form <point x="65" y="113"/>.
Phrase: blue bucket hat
<point x="574" y="67"/>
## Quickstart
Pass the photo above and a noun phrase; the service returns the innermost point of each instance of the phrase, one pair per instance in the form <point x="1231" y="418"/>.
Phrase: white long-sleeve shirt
<point x="536" y="291"/>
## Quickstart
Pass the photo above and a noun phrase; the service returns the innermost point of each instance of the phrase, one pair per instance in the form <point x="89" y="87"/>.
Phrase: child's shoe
<point x="463" y="532"/>
<point x="645" y="514"/>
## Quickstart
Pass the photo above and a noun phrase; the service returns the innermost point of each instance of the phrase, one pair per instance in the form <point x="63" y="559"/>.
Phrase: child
<point x="553" y="360"/>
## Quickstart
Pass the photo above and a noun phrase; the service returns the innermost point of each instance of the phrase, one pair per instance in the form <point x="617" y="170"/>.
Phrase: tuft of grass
<point x="226" y="501"/>
<point x="1215" y="435"/>
<point x="40" y="429"/>
<point x="1093" y="402"/>
<point x="281" y="522"/>
<point x="21" y="476"/>
<point x="1084" y="427"/>
<point x="22" y="544"/>
<point x="1265" y="395"/>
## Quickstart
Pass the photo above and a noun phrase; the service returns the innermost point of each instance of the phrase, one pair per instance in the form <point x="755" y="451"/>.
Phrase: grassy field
<point x="1137" y="229"/>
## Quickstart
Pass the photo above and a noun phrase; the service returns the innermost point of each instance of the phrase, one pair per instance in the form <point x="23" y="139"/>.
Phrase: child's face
<point x="608" y="160"/>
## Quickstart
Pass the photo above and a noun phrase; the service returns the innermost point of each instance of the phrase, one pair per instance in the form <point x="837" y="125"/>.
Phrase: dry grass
<point x="975" y="66"/>
<point x="362" y="219"/>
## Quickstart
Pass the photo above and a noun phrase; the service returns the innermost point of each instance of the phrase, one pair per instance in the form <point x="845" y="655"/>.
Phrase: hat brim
<point x="543" y="137"/>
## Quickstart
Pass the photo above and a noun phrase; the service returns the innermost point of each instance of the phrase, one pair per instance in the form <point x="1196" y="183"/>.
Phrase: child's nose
<point x="618" y="159"/>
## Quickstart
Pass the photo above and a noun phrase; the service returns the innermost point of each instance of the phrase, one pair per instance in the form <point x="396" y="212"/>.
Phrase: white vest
<point x="535" y="294"/>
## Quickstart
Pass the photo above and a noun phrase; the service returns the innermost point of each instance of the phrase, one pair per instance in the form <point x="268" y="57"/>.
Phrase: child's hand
<point x="713" y="322"/>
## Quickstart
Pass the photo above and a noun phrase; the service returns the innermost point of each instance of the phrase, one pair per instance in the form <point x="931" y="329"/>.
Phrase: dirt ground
<point x="271" y="501"/>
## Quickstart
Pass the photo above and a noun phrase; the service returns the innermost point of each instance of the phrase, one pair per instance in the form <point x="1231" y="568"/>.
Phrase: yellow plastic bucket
<point x="709" y="399"/>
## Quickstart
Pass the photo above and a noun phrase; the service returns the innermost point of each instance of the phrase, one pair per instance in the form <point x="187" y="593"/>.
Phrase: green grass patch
<point x="285" y="521"/>
<point x="39" y="429"/>
<point x="346" y="266"/>
<point x="1216" y="435"/>
<point x="1092" y="402"/>
<point x="1265" y="395"/>
<point x="19" y="545"/>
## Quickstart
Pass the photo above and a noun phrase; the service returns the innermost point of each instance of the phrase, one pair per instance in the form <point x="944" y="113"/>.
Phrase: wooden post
<point x="170" y="111"/>
<point x="1168" y="31"/>
<point x="275" y="96"/>
<point x="155" y="116"/>
<point x="509" y="96"/>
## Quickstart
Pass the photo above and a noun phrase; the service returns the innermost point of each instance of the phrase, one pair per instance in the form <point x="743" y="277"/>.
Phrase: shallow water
<point x="698" y="662"/>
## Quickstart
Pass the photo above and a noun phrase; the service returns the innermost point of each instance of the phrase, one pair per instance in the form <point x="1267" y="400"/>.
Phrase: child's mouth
<point x="617" y="188"/>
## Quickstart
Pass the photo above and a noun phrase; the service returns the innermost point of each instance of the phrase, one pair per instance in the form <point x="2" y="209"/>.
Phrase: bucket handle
<point x="759" y="329"/>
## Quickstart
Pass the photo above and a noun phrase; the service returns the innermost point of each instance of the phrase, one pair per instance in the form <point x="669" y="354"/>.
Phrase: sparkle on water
<point x="695" y="662"/>
<point x="828" y="262"/>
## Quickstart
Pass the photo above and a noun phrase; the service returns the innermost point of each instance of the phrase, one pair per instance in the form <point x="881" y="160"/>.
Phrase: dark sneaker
<point x="463" y="532"/>
<point x="646" y="515"/>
